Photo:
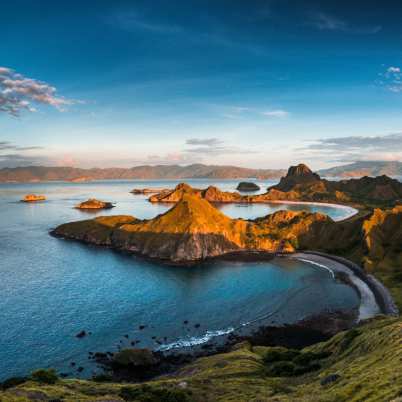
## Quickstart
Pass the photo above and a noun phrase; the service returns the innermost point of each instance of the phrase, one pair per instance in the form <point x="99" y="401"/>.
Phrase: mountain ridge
<point x="193" y="171"/>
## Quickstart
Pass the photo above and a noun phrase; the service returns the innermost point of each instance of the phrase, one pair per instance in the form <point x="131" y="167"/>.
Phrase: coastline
<point x="375" y="297"/>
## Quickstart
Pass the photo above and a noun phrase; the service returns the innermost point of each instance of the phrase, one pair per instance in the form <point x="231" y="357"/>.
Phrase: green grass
<point x="367" y="360"/>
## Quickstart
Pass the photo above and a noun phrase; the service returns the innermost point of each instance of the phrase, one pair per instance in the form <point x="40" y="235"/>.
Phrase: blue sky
<point x="262" y="83"/>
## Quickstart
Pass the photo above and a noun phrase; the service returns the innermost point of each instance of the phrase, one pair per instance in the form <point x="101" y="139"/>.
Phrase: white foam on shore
<point x="368" y="305"/>
<point x="318" y="265"/>
<point x="193" y="341"/>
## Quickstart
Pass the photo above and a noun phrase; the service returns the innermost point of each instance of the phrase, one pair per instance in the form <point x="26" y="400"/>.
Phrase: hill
<point x="362" y="364"/>
<point x="44" y="173"/>
<point x="368" y="168"/>
<point x="301" y="184"/>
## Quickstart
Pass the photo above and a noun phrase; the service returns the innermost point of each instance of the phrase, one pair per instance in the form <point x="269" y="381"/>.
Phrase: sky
<point x="257" y="83"/>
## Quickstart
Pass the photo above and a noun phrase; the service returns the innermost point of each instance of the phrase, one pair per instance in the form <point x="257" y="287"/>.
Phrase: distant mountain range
<point x="359" y="169"/>
<point x="146" y="172"/>
<point x="43" y="173"/>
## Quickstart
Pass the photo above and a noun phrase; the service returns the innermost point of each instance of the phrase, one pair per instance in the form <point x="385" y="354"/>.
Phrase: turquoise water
<point x="51" y="288"/>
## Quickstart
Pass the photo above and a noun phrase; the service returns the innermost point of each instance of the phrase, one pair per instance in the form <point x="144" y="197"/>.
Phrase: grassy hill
<point x="362" y="364"/>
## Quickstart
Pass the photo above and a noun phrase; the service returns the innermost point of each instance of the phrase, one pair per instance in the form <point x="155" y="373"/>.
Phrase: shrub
<point x="146" y="393"/>
<point x="282" y="369"/>
<point x="348" y="338"/>
<point x="12" y="382"/>
<point x="280" y="355"/>
<point x="102" y="378"/>
<point x="44" y="376"/>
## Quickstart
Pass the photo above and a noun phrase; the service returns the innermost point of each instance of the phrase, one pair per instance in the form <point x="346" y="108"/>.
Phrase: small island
<point x="246" y="186"/>
<point x="93" y="203"/>
<point x="148" y="190"/>
<point x="33" y="198"/>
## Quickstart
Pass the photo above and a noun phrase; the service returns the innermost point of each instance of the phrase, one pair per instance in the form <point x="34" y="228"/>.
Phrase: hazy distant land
<point x="146" y="172"/>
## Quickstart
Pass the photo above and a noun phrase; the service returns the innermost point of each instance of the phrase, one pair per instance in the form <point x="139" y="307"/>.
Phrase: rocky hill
<point x="301" y="184"/>
<point x="44" y="173"/>
<point x="192" y="230"/>
<point x="360" y="169"/>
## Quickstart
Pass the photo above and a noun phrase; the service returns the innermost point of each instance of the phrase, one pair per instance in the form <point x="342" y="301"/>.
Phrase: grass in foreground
<point x="363" y="364"/>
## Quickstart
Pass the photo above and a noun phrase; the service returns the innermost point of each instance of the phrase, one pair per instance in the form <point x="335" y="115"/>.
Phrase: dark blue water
<point x="51" y="289"/>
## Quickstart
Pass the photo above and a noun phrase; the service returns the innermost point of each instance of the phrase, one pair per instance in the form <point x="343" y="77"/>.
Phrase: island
<point x="148" y="190"/>
<point x="301" y="184"/>
<point x="93" y="203"/>
<point x="246" y="186"/>
<point x="33" y="198"/>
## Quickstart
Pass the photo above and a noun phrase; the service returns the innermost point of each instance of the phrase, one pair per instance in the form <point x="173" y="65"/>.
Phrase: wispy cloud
<point x="18" y="93"/>
<point x="213" y="146"/>
<point x="133" y="20"/>
<point x="208" y="142"/>
<point x="327" y="22"/>
<point x="353" y="148"/>
<point x="12" y="155"/>
<point x="280" y="113"/>
<point x="391" y="79"/>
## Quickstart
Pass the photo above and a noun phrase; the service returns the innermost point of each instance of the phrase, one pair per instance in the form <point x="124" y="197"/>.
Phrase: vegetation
<point x="357" y="365"/>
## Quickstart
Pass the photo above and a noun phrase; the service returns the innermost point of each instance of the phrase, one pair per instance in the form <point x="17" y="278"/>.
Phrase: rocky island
<point x="301" y="184"/>
<point x="246" y="186"/>
<point x="33" y="198"/>
<point x="93" y="203"/>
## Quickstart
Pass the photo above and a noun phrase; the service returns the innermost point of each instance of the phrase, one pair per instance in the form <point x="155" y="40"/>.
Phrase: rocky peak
<point x="300" y="174"/>
<point x="301" y="170"/>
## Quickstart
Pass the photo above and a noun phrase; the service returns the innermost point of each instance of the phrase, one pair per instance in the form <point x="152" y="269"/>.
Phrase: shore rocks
<point x="247" y="186"/>
<point x="135" y="357"/>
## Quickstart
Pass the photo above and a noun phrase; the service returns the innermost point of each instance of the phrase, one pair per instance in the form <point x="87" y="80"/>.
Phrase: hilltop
<point x="367" y="168"/>
<point x="49" y="173"/>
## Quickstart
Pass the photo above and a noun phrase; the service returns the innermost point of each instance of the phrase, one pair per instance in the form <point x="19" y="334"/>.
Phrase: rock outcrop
<point x="92" y="203"/>
<point x="247" y="186"/>
<point x="33" y="198"/>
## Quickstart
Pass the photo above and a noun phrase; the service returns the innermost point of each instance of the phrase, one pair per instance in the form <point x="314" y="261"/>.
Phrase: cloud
<point x="276" y="113"/>
<point x="133" y="20"/>
<point x="12" y="155"/>
<point x="212" y="146"/>
<point x="326" y="22"/>
<point x="204" y="141"/>
<point x="6" y="145"/>
<point x="18" y="93"/>
<point x="352" y="148"/>
<point x="391" y="79"/>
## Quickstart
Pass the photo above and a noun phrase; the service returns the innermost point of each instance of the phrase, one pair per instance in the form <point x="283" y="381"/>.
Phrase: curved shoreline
<point x="374" y="296"/>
